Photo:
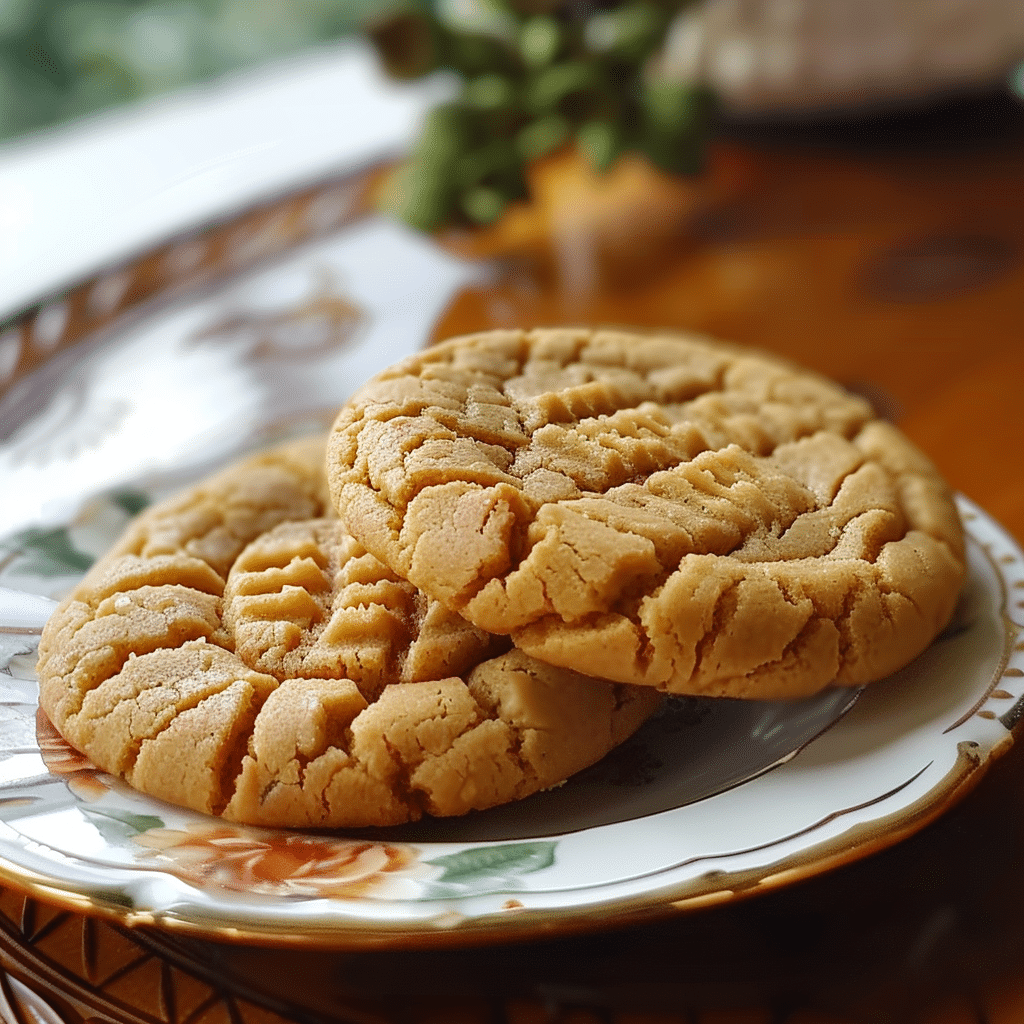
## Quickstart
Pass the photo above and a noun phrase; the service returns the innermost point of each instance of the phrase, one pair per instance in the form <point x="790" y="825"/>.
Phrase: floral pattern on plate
<point x="709" y="800"/>
<point x="850" y="780"/>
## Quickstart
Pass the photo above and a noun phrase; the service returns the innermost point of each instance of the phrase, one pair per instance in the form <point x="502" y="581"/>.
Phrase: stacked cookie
<point x="516" y="543"/>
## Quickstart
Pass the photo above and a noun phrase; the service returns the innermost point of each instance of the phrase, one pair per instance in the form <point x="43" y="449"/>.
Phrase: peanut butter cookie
<point x="653" y="509"/>
<point x="240" y="654"/>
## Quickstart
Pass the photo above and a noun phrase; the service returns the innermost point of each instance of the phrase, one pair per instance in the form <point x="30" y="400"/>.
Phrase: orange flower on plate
<point x="278" y="863"/>
<point x="81" y="776"/>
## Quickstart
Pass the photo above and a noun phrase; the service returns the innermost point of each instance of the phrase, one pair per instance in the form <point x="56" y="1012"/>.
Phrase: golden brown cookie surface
<point x="654" y="509"/>
<point x="237" y="652"/>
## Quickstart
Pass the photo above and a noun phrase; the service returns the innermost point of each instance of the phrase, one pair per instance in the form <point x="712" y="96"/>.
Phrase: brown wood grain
<point x="900" y="276"/>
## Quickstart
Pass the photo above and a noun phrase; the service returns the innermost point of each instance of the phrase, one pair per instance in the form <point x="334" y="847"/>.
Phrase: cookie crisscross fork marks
<point x="311" y="688"/>
<point x="137" y="659"/>
<point x="594" y="493"/>
<point x="307" y="600"/>
<point x="161" y="585"/>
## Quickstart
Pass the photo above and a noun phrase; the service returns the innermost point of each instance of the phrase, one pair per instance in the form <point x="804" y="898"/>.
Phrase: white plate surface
<point x="714" y="800"/>
<point x="709" y="802"/>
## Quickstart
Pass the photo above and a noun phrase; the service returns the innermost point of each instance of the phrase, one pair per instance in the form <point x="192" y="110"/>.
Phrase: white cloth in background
<point x="77" y="199"/>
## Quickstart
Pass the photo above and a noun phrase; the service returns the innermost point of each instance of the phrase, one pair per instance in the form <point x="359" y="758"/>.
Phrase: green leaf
<point x="113" y="897"/>
<point x="487" y="862"/>
<point x="447" y="133"/>
<point x="12" y="647"/>
<point x="563" y="85"/>
<point x="542" y="136"/>
<point x="474" y="54"/>
<point x="628" y="32"/>
<point x="677" y="120"/>
<point x="540" y="39"/>
<point x="483" y="205"/>
<point x="116" y="826"/>
<point x="490" y="92"/>
<point x="422" y="197"/>
<point x="50" y="553"/>
<point x="601" y="142"/>
<point x="130" y="501"/>
<point x="497" y="165"/>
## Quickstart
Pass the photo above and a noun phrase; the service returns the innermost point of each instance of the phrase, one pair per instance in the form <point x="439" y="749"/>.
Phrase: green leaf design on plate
<point x="113" y="897"/>
<point x="12" y="647"/>
<point x="117" y="826"/>
<point x="130" y="501"/>
<point x="490" y="862"/>
<point x="47" y="553"/>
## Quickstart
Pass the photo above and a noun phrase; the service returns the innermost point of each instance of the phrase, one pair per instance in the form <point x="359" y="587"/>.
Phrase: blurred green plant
<point x="534" y="75"/>
<point x="61" y="59"/>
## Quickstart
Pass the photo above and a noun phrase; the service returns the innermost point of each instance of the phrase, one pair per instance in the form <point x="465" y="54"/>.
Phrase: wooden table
<point x="897" y="269"/>
<point x="887" y="254"/>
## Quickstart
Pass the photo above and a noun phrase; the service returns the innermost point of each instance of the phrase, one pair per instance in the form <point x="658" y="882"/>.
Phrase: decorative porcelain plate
<point x="711" y="800"/>
<point x="109" y="403"/>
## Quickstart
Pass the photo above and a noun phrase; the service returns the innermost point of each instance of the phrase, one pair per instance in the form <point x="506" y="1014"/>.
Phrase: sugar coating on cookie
<point x="654" y="509"/>
<point x="239" y="653"/>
